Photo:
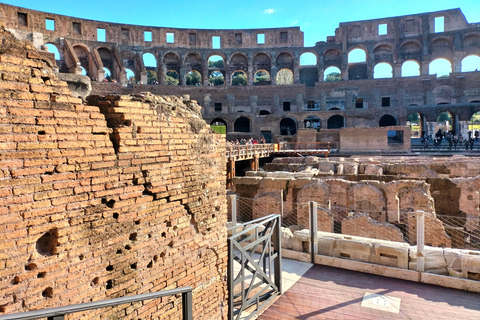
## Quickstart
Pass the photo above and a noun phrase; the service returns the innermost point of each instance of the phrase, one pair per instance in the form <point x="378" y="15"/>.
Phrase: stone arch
<point x="193" y="78"/>
<point x="383" y="53"/>
<point x="441" y="48"/>
<point x="242" y="124"/>
<point x="171" y="61"/>
<point x="411" y="199"/>
<point x="336" y="122"/>
<point x="369" y="199"/>
<point x="382" y="70"/>
<point x="262" y="77"/>
<point x="266" y="203"/>
<point x="411" y="50"/>
<point x="308" y="58"/>
<point x="284" y="77"/>
<point x="357" y="55"/>
<point x="193" y="62"/>
<point x="219" y="122"/>
<point x="239" y="78"/>
<point x="471" y="44"/>
<point x="357" y="64"/>
<point x="285" y="60"/>
<point x="238" y="62"/>
<point x="387" y="120"/>
<point x="172" y="78"/>
<point x="150" y="61"/>
<point x="332" y="57"/>
<point x="410" y="68"/>
<point x="262" y="61"/>
<point x="83" y="54"/>
<point x="320" y="193"/>
<point x="332" y="73"/>
<point x="288" y="127"/>
<point x="415" y="123"/>
<point x="441" y="67"/>
<point x="471" y="63"/>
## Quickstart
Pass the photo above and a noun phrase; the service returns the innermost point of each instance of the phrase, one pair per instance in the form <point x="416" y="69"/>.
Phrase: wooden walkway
<point x="331" y="293"/>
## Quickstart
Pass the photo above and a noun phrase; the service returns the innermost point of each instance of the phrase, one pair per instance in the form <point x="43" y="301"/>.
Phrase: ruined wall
<point x="123" y="196"/>
<point x="384" y="139"/>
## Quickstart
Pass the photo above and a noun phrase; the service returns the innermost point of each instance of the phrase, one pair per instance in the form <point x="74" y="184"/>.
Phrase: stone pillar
<point x="420" y="241"/>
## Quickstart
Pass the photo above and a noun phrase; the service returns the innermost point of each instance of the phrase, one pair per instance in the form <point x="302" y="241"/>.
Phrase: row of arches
<point x="263" y="68"/>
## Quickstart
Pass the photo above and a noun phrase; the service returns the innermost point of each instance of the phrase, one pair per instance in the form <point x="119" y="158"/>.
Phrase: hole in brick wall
<point x="150" y="265"/>
<point x="133" y="266"/>
<point x="137" y="222"/>
<point x="119" y="251"/>
<point x="49" y="173"/>
<point x="47" y="244"/>
<point x="16" y="280"/>
<point x="139" y="130"/>
<point x="171" y="244"/>
<point x="99" y="133"/>
<point x="213" y="216"/>
<point x="217" y="208"/>
<point x="169" y="224"/>
<point x="175" y="228"/>
<point x="127" y="247"/>
<point x="41" y="132"/>
<point x="109" y="284"/>
<point x="47" y="293"/>
<point x="104" y="200"/>
<point x="155" y="258"/>
<point x="164" y="234"/>
<point x="162" y="255"/>
<point x="115" y="215"/>
<point x="81" y="257"/>
<point x="41" y="275"/>
<point x="133" y="236"/>
<point x="2" y="308"/>
<point x="345" y="255"/>
<point x="30" y="266"/>
<point x="127" y="123"/>
<point x="109" y="268"/>
<point x="110" y="203"/>
<point x="209" y="229"/>
<point x="95" y="281"/>
<point x="149" y="236"/>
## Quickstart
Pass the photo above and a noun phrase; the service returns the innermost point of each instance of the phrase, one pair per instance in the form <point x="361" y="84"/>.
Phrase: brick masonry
<point x="123" y="196"/>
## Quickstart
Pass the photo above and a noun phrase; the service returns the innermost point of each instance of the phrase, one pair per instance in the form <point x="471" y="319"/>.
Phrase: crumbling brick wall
<point x="362" y="225"/>
<point x="120" y="197"/>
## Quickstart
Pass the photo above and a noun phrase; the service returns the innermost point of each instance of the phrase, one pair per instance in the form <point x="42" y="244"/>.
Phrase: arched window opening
<point x="53" y="49"/>
<point x="308" y="59"/>
<point x="151" y="77"/>
<point x="288" y="127"/>
<point x="357" y="55"/>
<point x="440" y="67"/>
<point x="332" y="74"/>
<point x="312" y="122"/>
<point x="84" y="57"/>
<point x="410" y="68"/>
<point x="335" y="122"/>
<point x="219" y="126"/>
<point x="471" y="63"/>
<point x="387" y="120"/>
<point x="84" y="72"/>
<point x="108" y="74"/>
<point x="444" y="122"/>
<point x="149" y="61"/>
<point x="261" y="77"/>
<point x="414" y="121"/>
<point x="171" y="78"/>
<point x="264" y="112"/>
<point x="194" y="78"/>
<point x="215" y="62"/>
<point x="216" y="78"/>
<point x="239" y="78"/>
<point x="284" y="77"/>
<point x="242" y="124"/>
<point x="130" y="75"/>
<point x="382" y="70"/>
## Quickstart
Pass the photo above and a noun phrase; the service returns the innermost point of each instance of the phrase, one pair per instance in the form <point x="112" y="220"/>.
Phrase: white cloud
<point x="294" y="23"/>
<point x="268" y="11"/>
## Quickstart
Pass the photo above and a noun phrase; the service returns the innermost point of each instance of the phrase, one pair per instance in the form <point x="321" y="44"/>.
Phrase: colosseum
<point x="264" y="87"/>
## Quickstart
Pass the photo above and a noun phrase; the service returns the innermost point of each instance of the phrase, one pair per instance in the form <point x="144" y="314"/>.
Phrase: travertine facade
<point x="360" y="99"/>
<point x="121" y="196"/>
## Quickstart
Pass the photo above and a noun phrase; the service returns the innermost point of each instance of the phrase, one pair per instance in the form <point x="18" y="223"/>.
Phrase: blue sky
<point x="316" y="18"/>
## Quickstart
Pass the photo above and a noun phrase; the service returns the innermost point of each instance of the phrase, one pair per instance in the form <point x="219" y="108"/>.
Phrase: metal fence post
<point x="312" y="208"/>
<point x="233" y="206"/>
<point x="420" y="241"/>
<point x="187" y="305"/>
<point x="281" y="203"/>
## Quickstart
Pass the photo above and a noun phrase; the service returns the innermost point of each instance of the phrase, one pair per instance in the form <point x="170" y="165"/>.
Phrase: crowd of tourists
<point x="452" y="140"/>
<point x="243" y="142"/>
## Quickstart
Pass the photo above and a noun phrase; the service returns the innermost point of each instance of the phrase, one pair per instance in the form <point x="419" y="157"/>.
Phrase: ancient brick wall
<point x="120" y="197"/>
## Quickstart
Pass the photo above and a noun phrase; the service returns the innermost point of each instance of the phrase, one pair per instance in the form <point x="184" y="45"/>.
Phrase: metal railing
<point x="248" y="151"/>
<point x="59" y="313"/>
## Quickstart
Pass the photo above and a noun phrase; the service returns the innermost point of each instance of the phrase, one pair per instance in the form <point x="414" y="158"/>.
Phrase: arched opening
<point x="410" y="68"/>
<point x="357" y="55"/>
<point x="414" y="122"/>
<point x="172" y="78"/>
<point x="471" y="63"/>
<point x="108" y="74"/>
<point x="149" y="61"/>
<point x="108" y="62"/>
<point x="239" y="78"/>
<point x="215" y="62"/>
<point x="288" y="127"/>
<point x="444" y="122"/>
<point x="387" y="120"/>
<point x="382" y="70"/>
<point x="440" y="67"/>
<point x="264" y="112"/>
<point x="335" y="122"/>
<point x="84" y="57"/>
<point x="242" y="124"/>
<point x="216" y="78"/>
<point x="261" y="77"/>
<point x="130" y="75"/>
<point x="84" y="72"/>
<point x="152" y="77"/>
<point x="219" y="126"/>
<point x="308" y="59"/>
<point x="312" y="122"/>
<point x="194" y="78"/>
<point x="284" y="77"/>
<point x="332" y="74"/>
<point x="53" y="49"/>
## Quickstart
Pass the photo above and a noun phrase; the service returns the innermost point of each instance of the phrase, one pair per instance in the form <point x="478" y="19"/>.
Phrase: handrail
<point x="59" y="312"/>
